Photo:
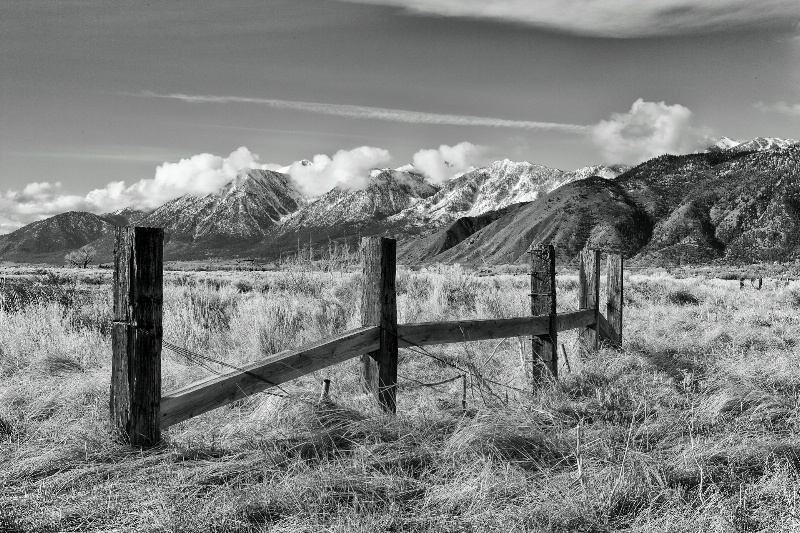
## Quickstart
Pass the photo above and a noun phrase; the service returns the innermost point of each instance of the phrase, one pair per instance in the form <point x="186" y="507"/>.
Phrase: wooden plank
<point x="543" y="302"/>
<point x="135" y="395"/>
<point x="379" y="308"/>
<point x="428" y="333"/>
<point x="589" y="294"/>
<point x="614" y="298"/>
<point x="207" y="394"/>
<point x="576" y="319"/>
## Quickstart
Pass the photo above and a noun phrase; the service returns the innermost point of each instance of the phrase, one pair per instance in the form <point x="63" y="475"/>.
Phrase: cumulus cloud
<point x="782" y="108"/>
<point x="441" y="164"/>
<point x="199" y="175"/>
<point x="648" y="130"/>
<point x="616" y="18"/>
<point x="347" y="168"/>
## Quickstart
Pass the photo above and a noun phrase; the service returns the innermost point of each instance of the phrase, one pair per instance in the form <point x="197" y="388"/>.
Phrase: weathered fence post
<point x="135" y="401"/>
<point x="544" y="356"/>
<point x="379" y="308"/>
<point x="614" y="298"/>
<point x="326" y="387"/>
<point x="589" y="295"/>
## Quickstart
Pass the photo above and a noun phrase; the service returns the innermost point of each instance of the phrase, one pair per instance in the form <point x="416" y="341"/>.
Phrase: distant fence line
<point x="139" y="410"/>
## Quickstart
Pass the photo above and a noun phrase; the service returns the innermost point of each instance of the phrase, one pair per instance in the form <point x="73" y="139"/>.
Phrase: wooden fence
<point x="139" y="410"/>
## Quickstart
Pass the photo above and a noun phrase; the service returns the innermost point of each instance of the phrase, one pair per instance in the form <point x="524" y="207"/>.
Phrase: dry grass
<point x="691" y="427"/>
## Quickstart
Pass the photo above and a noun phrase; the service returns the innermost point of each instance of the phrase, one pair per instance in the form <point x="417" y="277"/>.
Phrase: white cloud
<point x="376" y="113"/>
<point x="347" y="168"/>
<point x="616" y="18"/>
<point x="200" y="174"/>
<point x="782" y="108"/>
<point x="648" y="130"/>
<point x="441" y="164"/>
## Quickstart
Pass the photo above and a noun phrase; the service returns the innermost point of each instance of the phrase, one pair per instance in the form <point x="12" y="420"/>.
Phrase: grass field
<point x="691" y="427"/>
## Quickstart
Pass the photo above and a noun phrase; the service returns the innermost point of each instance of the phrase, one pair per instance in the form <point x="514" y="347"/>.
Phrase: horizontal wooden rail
<point x="203" y="396"/>
<point x="427" y="333"/>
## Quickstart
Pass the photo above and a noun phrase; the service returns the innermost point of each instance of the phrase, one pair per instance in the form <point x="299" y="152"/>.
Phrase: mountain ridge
<point x="739" y="201"/>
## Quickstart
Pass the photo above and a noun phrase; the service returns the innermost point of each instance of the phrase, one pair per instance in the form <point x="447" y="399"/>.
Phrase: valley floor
<point x="692" y="426"/>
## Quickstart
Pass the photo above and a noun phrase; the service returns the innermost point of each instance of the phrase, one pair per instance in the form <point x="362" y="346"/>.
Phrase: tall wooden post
<point x="543" y="302"/>
<point x="379" y="308"/>
<point x="136" y="335"/>
<point x="589" y="295"/>
<point x="614" y="298"/>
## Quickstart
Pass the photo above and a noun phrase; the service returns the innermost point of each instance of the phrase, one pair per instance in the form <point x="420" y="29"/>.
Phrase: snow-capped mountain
<point x="125" y="217"/>
<point x="387" y="192"/>
<point x="494" y="187"/>
<point x="244" y="209"/>
<point x="759" y="144"/>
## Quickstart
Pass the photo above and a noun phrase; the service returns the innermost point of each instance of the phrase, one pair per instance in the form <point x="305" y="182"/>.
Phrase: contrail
<point x="377" y="113"/>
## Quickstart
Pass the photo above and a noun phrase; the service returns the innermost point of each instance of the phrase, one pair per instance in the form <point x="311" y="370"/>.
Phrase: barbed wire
<point x="419" y="349"/>
<point x="203" y="360"/>
<point x="431" y="385"/>
<point x="467" y="369"/>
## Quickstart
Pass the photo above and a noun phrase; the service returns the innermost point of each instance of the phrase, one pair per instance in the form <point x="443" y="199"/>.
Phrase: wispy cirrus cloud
<point x="616" y="18"/>
<point x="375" y="113"/>
<point x="782" y="108"/>
<point x="647" y="130"/>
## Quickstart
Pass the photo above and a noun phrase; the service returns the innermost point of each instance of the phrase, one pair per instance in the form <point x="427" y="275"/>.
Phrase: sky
<point x="105" y="105"/>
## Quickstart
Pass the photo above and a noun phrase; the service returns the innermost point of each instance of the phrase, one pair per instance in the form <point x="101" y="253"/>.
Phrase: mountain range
<point x="739" y="201"/>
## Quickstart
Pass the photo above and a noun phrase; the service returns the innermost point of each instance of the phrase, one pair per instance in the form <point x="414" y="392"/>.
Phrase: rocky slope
<point x="243" y="210"/>
<point x="729" y="205"/>
<point x="593" y="211"/>
<point x="125" y="217"/>
<point x="50" y="239"/>
<point x="351" y="213"/>
<point x="493" y="187"/>
<point x="759" y="144"/>
<point x="388" y="192"/>
<point x="738" y="206"/>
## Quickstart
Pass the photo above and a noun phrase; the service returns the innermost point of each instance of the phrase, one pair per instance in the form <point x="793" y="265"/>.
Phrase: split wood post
<point x="589" y="295"/>
<point x="544" y="356"/>
<point x="464" y="393"/>
<point x="379" y="308"/>
<point x="135" y="401"/>
<point x="326" y="387"/>
<point x="614" y="298"/>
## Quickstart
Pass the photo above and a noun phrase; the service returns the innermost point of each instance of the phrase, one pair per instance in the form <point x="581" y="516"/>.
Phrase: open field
<point x="691" y="427"/>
